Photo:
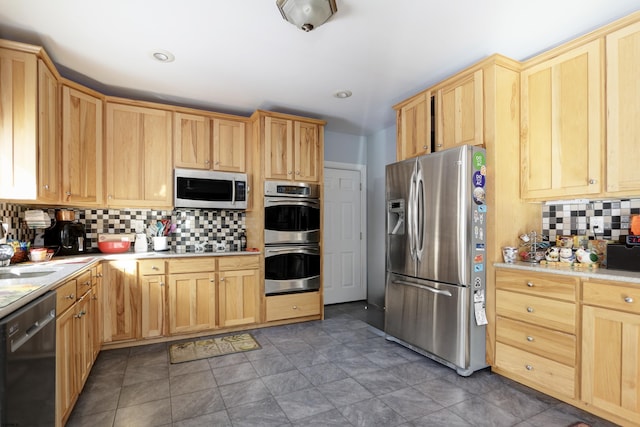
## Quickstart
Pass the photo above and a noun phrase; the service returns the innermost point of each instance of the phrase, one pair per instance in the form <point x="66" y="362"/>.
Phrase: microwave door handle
<point x="233" y="191"/>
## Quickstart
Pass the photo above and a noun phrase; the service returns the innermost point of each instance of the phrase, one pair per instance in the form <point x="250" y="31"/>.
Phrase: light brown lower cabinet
<point x="191" y="302"/>
<point x="121" y="301"/>
<point x="152" y="298"/>
<point x="280" y="307"/>
<point x="74" y="345"/>
<point x="611" y="348"/>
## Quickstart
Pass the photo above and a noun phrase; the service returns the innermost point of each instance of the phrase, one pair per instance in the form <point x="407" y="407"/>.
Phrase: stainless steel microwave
<point x="194" y="188"/>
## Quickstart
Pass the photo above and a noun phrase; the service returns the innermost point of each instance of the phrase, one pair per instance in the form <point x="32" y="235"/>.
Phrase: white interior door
<point x="343" y="252"/>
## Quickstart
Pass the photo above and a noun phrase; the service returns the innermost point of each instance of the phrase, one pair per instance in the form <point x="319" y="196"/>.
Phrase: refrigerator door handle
<point x="420" y="212"/>
<point x="426" y="288"/>
<point x="411" y="216"/>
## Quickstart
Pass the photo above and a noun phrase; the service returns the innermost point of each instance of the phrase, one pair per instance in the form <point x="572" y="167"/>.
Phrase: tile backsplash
<point x="573" y="218"/>
<point x="193" y="225"/>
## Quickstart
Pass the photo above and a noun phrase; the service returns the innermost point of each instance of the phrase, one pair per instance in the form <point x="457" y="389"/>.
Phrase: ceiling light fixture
<point x="163" y="56"/>
<point x="307" y="14"/>
<point x="342" y="94"/>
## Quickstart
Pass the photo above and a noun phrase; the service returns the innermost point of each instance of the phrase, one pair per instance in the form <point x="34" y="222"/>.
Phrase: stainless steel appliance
<point x="291" y="213"/>
<point x="194" y="188"/>
<point x="66" y="238"/>
<point x="291" y="268"/>
<point x="435" y="256"/>
<point x="28" y="364"/>
<point x="292" y="236"/>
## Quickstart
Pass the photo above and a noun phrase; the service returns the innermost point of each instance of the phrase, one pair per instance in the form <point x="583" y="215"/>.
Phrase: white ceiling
<point x="237" y="56"/>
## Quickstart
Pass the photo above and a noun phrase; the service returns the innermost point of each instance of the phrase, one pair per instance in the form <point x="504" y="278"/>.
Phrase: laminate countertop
<point x="22" y="283"/>
<point x="574" y="270"/>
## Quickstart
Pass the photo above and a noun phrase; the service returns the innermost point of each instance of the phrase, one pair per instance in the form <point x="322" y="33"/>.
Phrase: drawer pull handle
<point x="628" y="299"/>
<point x="529" y="284"/>
<point x="530" y="339"/>
<point x="529" y="367"/>
<point x="530" y="309"/>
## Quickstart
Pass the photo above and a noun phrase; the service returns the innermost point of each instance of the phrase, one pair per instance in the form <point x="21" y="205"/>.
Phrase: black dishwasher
<point x="28" y="364"/>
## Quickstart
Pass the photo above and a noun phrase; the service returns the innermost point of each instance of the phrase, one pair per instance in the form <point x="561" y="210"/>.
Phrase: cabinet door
<point x="623" y="109"/>
<point x="228" y="145"/>
<point x="138" y="156"/>
<point x="192" y="302"/>
<point x="414" y="127"/>
<point x="306" y="151"/>
<point x="460" y="113"/>
<point x="81" y="148"/>
<point x="66" y="390"/>
<point x="152" y="308"/>
<point x="610" y="361"/>
<point x="122" y="299"/>
<point x="238" y="297"/>
<point x="278" y="148"/>
<point x="18" y="124"/>
<point x="83" y="339"/>
<point x="191" y="142"/>
<point x="48" y="140"/>
<point x="561" y="132"/>
<point x="97" y="312"/>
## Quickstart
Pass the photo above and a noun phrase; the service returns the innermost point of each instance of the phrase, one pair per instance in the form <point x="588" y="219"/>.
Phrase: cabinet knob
<point x="628" y="299"/>
<point x="99" y="275"/>
<point x="153" y="267"/>
<point x="289" y="173"/>
<point x="593" y="181"/>
<point x="70" y="296"/>
<point x="530" y="309"/>
<point x="109" y="196"/>
<point x="530" y="339"/>
<point x="95" y="298"/>
<point x="87" y="283"/>
<point x="297" y="172"/>
<point x="68" y="193"/>
<point x="529" y="367"/>
<point x="424" y="147"/>
<point x="529" y="284"/>
<point x="206" y="162"/>
<point x="222" y="279"/>
<point x="46" y="186"/>
<point x="295" y="307"/>
<point x="216" y="163"/>
<point x="439" y="145"/>
<point x="161" y="283"/>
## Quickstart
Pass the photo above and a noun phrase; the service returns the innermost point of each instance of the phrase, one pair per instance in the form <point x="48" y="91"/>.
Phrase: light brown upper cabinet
<point x="459" y="112"/>
<point x="138" y="156"/>
<point x="623" y="110"/>
<point x="203" y="142"/>
<point x="561" y="124"/>
<point x="292" y="149"/>
<point x="18" y="124"/>
<point x="413" y="118"/>
<point x="81" y="148"/>
<point x="49" y="190"/>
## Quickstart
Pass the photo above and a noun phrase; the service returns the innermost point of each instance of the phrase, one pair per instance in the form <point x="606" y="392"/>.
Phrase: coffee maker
<point x="66" y="238"/>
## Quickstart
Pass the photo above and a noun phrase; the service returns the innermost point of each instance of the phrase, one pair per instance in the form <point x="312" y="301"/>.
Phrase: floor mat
<point x="203" y="349"/>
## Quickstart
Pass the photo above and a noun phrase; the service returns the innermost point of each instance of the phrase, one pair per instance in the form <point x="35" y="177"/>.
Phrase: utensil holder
<point x="160" y="243"/>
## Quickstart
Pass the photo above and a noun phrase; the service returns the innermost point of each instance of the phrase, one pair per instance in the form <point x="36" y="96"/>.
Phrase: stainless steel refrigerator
<point x="436" y="258"/>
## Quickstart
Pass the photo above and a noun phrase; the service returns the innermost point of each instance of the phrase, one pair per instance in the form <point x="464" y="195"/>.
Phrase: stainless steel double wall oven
<point x="292" y="237"/>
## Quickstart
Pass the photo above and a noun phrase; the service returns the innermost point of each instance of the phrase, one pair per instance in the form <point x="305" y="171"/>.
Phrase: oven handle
<point x="292" y="250"/>
<point x="290" y="201"/>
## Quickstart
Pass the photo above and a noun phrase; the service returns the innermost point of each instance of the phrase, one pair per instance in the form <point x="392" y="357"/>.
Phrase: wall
<point x="381" y="150"/>
<point x="345" y="148"/>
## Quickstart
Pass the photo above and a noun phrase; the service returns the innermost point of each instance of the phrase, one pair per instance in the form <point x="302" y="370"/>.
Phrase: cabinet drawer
<point x="238" y="262"/>
<point x="191" y="265"/>
<point x="612" y="295"/>
<point x="293" y="305"/>
<point x="558" y="346"/>
<point x="539" y="370"/>
<point x="65" y="296"/>
<point x="151" y="266"/>
<point x="545" y="312"/>
<point x="83" y="283"/>
<point x="546" y="285"/>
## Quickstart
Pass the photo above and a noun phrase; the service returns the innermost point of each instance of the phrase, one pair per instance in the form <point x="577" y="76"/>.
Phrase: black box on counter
<point x="623" y="257"/>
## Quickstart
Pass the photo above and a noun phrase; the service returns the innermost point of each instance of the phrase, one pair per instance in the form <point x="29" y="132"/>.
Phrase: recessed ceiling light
<point x="342" y="94"/>
<point x="163" y="56"/>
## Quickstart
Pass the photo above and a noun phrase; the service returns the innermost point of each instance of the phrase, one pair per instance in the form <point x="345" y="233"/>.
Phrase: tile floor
<point x="336" y="372"/>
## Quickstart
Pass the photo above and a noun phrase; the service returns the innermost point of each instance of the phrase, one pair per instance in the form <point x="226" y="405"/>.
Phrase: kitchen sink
<point x="24" y="274"/>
